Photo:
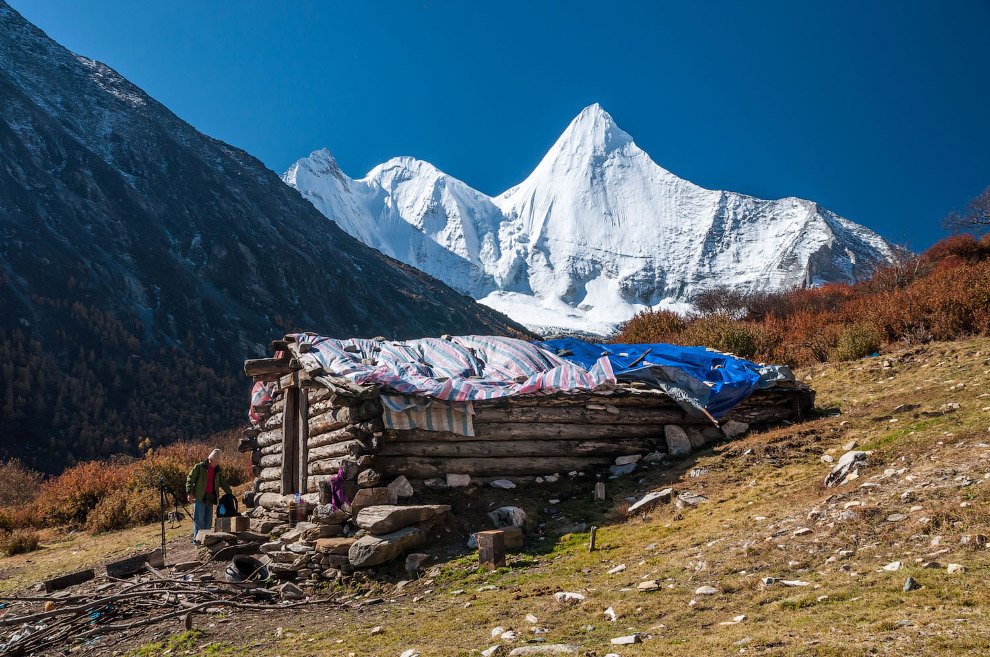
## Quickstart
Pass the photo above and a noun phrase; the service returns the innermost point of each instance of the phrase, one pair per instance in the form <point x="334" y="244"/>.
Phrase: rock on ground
<point x="849" y="463"/>
<point x="383" y="519"/>
<point x="678" y="443"/>
<point x="374" y="550"/>
<point x="652" y="498"/>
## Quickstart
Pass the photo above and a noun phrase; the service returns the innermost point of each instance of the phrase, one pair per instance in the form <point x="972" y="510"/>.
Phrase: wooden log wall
<point x="514" y="436"/>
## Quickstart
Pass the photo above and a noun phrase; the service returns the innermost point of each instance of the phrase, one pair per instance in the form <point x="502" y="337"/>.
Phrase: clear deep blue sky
<point x="878" y="111"/>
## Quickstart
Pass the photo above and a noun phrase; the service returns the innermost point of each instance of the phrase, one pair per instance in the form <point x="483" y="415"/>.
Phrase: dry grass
<point x="760" y="489"/>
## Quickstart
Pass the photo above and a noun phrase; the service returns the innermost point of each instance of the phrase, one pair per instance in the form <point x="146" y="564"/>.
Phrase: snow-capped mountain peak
<point x="595" y="233"/>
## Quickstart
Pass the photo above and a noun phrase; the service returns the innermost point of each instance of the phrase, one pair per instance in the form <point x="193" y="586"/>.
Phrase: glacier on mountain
<point x="596" y="233"/>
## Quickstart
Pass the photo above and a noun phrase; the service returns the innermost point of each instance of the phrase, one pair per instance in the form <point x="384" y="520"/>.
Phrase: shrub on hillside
<point x="855" y="341"/>
<point x="18" y="483"/>
<point x="722" y="333"/>
<point x="652" y="326"/>
<point x="68" y="498"/>
<point x="18" y="541"/>
<point x="942" y="294"/>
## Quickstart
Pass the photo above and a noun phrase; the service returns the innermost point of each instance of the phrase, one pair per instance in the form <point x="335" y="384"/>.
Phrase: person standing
<point x="202" y="484"/>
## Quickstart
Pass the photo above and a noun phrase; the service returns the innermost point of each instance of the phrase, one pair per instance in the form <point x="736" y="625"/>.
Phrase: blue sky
<point x="878" y="111"/>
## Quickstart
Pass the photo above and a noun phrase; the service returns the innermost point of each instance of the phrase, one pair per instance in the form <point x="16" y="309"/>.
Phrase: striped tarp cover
<point x="463" y="368"/>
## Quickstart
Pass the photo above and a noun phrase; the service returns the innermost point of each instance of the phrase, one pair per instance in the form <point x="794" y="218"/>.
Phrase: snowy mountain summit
<point x="597" y="232"/>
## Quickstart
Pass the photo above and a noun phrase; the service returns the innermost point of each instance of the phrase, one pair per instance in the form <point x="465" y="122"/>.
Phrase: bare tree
<point x="974" y="219"/>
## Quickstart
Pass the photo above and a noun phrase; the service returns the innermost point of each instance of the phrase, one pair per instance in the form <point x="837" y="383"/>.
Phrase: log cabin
<point x="356" y="413"/>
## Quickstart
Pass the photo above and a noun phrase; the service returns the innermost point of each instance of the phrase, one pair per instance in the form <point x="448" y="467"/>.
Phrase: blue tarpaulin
<point x="699" y="379"/>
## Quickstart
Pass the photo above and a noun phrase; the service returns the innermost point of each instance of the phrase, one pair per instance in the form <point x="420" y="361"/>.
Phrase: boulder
<point x="401" y="487"/>
<point x="290" y="591"/>
<point x="458" y="480"/>
<point x="415" y="561"/>
<point x="678" y="443"/>
<point x="436" y="483"/>
<point x="711" y="434"/>
<point x="626" y="460"/>
<point x="651" y="499"/>
<point x="339" y="545"/>
<point x="502" y="483"/>
<point x="686" y="499"/>
<point x="695" y="437"/>
<point x="508" y="516"/>
<point x="368" y="478"/>
<point x="851" y="462"/>
<point x="622" y="470"/>
<point x="383" y="519"/>
<point x="372" y="497"/>
<point x="326" y="514"/>
<point x="734" y="428"/>
<point x="262" y="525"/>
<point x="374" y="550"/>
<point x="208" y="537"/>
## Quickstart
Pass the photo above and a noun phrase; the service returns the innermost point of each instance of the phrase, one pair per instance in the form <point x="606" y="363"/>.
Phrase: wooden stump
<point x="600" y="491"/>
<point x="491" y="548"/>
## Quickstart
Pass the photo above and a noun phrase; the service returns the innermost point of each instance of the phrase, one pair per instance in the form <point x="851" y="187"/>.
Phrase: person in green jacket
<point x="202" y="484"/>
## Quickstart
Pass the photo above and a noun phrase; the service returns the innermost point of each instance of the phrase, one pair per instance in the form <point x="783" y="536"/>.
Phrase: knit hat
<point x="215" y="456"/>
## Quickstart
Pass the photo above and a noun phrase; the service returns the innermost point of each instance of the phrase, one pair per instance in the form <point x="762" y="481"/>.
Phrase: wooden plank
<point x="72" y="579"/>
<point x="290" y="453"/>
<point x="491" y="549"/>
<point x="501" y="448"/>
<point x="426" y="468"/>
<point x="267" y="366"/>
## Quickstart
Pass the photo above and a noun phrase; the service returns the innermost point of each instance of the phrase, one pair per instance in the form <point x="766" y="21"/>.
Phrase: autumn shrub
<point x="110" y="495"/>
<point x="18" y="541"/>
<point x="68" y="498"/>
<point x="855" y="341"/>
<point x="19" y="485"/>
<point x="109" y="514"/>
<point x="722" y="333"/>
<point x="940" y="295"/>
<point x="653" y="326"/>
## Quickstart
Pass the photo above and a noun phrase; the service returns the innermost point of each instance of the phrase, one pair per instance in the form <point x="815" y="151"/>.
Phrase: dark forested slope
<point x="140" y="260"/>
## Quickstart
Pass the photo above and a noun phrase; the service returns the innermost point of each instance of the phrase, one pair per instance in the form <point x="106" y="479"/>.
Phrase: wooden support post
<point x="290" y="441"/>
<point x="600" y="491"/>
<point x="302" y="441"/>
<point x="491" y="549"/>
<point x="591" y="543"/>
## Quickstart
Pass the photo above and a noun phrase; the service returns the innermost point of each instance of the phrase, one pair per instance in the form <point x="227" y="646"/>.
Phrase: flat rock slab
<point x="338" y="545"/>
<point x="374" y="550"/>
<point x="386" y="518"/>
<point x="687" y="499"/>
<point x="546" y="649"/>
<point x="372" y="497"/>
<point x="208" y="537"/>
<point x="652" y="498"/>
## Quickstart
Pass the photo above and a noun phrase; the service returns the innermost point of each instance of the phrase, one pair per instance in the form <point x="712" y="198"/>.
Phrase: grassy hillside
<point x="923" y="412"/>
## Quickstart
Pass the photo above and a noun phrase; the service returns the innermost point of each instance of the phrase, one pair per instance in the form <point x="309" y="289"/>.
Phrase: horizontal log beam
<point x="530" y="431"/>
<point x="345" y="448"/>
<point x="508" y="448"/>
<point x="581" y="414"/>
<point x="426" y="468"/>
<point x="268" y="366"/>
<point x="350" y="432"/>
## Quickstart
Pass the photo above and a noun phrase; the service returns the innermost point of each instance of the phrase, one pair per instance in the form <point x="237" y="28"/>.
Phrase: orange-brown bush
<point x="109" y="495"/>
<point x="18" y="483"/>
<point x="942" y="294"/>
<point x="18" y="541"/>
